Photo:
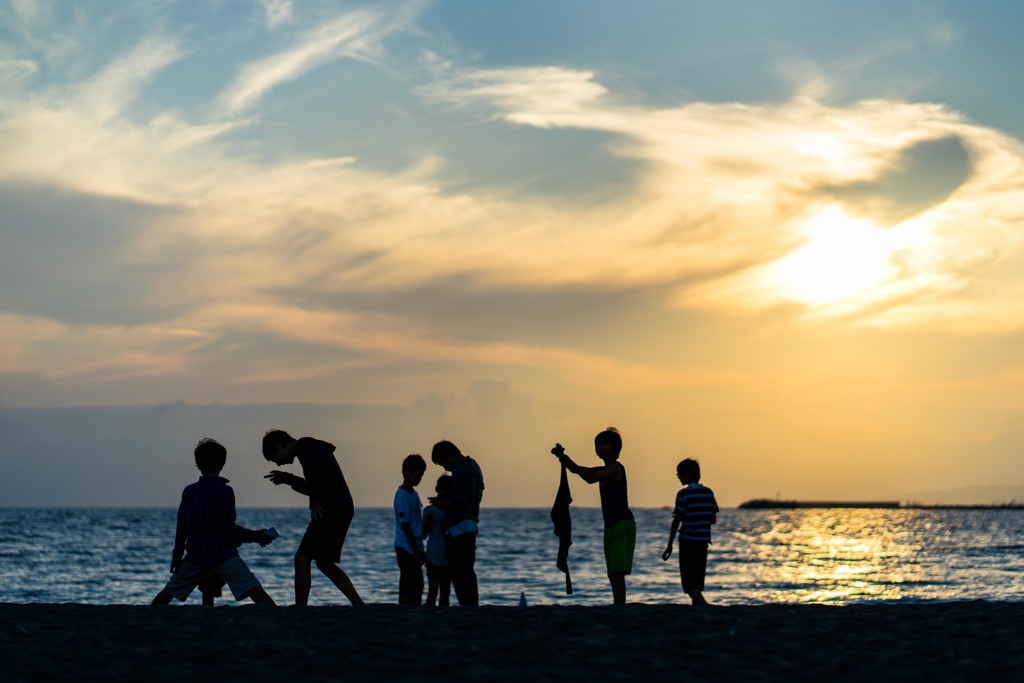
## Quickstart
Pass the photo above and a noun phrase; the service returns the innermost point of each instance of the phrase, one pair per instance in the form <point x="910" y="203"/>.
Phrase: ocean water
<point x="836" y="556"/>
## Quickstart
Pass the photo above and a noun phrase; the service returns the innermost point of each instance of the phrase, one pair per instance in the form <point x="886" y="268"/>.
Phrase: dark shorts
<point x="323" y="539"/>
<point x="693" y="562"/>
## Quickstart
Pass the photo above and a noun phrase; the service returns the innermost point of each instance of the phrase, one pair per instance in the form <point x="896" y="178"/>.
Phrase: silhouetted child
<point x="461" y="523"/>
<point x="207" y="537"/>
<point x="619" y="525"/>
<point x="330" y="508"/>
<point x="409" y="532"/>
<point x="439" y="582"/>
<point x="696" y="510"/>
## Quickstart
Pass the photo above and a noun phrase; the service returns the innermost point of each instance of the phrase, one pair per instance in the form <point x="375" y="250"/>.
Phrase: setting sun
<point x="843" y="257"/>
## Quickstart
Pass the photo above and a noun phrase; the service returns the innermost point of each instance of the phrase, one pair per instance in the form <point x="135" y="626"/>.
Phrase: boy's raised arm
<point x="591" y="475"/>
<point x="298" y="484"/>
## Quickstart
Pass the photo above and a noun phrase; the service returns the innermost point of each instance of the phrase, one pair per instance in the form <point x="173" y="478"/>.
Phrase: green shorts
<point x="619" y="543"/>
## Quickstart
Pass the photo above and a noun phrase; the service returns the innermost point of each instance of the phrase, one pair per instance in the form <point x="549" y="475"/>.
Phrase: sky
<point x="782" y="238"/>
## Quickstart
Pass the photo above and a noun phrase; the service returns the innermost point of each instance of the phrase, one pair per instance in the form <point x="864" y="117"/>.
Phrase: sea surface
<point x="836" y="556"/>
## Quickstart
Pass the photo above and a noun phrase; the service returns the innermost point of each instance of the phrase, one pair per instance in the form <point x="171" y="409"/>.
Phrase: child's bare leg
<point x="431" y="585"/>
<point x="618" y="581"/>
<point x="162" y="598"/>
<point x="445" y="589"/>
<point x="697" y="598"/>
<point x="303" y="579"/>
<point x="341" y="580"/>
<point x="259" y="596"/>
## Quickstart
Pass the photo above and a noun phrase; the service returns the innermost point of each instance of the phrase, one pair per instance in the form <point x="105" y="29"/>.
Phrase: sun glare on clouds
<point x="843" y="257"/>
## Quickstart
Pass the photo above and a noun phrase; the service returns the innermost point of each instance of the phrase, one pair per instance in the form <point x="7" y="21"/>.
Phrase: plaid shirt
<point x="206" y="523"/>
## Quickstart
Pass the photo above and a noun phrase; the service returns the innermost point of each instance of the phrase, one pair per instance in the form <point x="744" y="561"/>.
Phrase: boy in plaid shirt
<point x="207" y="532"/>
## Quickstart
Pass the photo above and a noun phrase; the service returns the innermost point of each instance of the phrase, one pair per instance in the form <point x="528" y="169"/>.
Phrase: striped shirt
<point x="696" y="509"/>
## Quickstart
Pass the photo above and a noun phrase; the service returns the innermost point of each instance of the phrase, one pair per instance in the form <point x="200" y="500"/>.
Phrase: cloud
<point x="153" y="242"/>
<point x="14" y="71"/>
<point x="355" y="35"/>
<point x="108" y="95"/>
<point x="545" y="97"/>
<point x="277" y="12"/>
<point x="730" y="188"/>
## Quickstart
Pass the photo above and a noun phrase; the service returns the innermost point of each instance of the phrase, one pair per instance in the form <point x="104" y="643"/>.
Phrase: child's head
<point x="210" y="456"/>
<point x="413" y="468"/>
<point x="275" y="441"/>
<point x="608" y="444"/>
<point x="688" y="471"/>
<point x="444" y="485"/>
<point x="445" y="454"/>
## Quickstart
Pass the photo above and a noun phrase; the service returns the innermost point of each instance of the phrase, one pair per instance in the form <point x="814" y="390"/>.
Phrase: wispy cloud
<point x="302" y="266"/>
<point x="110" y="93"/>
<point x="731" y="188"/>
<point x="278" y="12"/>
<point x="355" y="35"/>
<point x="14" y="71"/>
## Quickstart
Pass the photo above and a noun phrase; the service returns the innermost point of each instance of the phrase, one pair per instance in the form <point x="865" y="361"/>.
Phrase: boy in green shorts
<point x="619" y="526"/>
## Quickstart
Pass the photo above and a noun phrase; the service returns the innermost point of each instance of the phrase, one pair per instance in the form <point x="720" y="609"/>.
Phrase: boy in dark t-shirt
<point x="619" y="525"/>
<point x="330" y="507"/>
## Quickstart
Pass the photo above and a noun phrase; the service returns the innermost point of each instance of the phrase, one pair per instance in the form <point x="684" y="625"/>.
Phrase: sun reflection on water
<point x="821" y="556"/>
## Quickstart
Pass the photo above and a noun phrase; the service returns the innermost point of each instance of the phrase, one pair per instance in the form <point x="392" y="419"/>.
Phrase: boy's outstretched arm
<point x="671" y="538"/>
<point x="297" y="483"/>
<point x="591" y="475"/>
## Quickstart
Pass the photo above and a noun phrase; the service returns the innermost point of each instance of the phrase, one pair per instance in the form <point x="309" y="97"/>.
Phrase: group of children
<point x="441" y="536"/>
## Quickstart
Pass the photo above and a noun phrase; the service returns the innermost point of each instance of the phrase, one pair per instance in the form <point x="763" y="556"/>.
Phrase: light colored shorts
<point x="619" y="543"/>
<point x="233" y="570"/>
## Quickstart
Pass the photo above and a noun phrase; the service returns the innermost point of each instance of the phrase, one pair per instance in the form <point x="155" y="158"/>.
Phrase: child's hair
<point x="414" y="463"/>
<point x="275" y="437"/>
<point x="442" y="449"/>
<point x="612" y="437"/>
<point x="690" y="469"/>
<point x="444" y="483"/>
<point x="210" y="456"/>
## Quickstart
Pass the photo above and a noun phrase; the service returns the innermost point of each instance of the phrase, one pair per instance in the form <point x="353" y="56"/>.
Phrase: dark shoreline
<point x="957" y="641"/>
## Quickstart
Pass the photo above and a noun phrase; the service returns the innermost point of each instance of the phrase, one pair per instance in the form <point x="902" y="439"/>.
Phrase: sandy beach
<point x="951" y="641"/>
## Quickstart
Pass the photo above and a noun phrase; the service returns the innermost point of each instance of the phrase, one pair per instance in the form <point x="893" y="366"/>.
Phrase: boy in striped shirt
<point x="696" y="510"/>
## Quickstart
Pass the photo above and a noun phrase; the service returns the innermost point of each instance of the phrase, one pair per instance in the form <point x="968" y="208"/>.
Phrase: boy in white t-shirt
<point x="409" y="532"/>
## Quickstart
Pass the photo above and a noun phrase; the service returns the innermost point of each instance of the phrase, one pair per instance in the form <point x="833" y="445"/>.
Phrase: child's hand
<point x="278" y="477"/>
<point x="668" y="553"/>
<point x="316" y="510"/>
<point x="558" y="451"/>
